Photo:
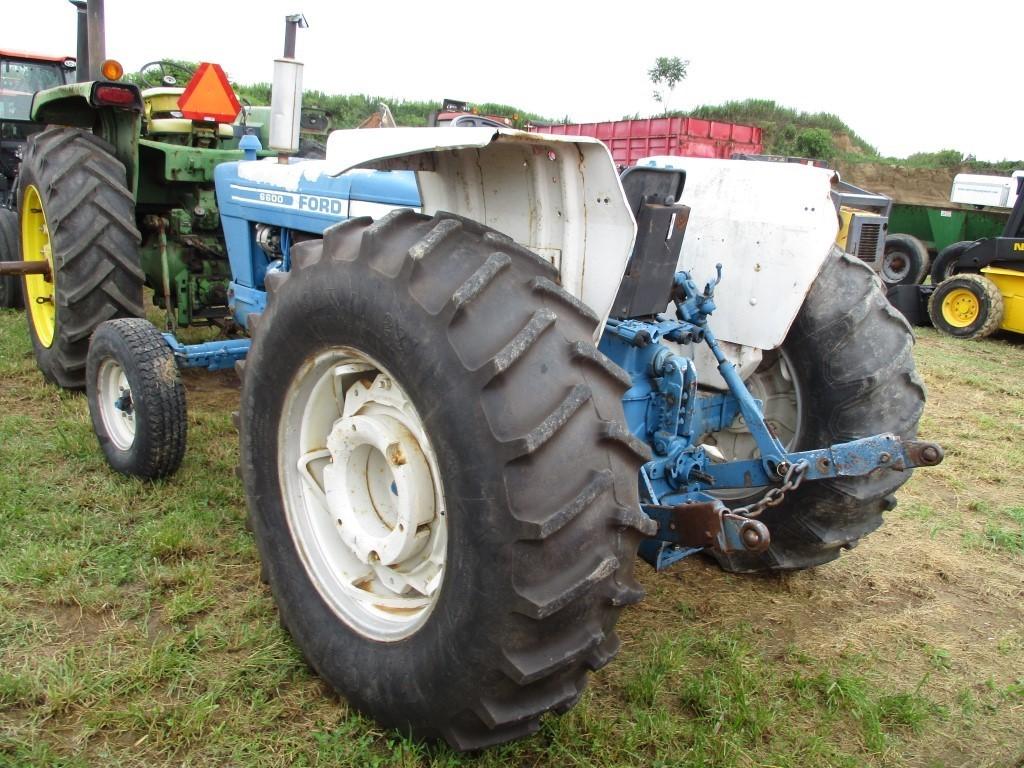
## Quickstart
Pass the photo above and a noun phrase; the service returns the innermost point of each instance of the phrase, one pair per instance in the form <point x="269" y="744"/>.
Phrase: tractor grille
<point x="867" y="246"/>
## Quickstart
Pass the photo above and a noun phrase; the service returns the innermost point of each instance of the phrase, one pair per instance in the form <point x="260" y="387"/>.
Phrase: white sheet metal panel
<point x="980" y="189"/>
<point x="771" y="226"/>
<point x="558" y="196"/>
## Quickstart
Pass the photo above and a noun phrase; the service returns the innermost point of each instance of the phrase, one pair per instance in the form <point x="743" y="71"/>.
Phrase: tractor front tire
<point x="849" y="359"/>
<point x="439" y="477"/>
<point x="967" y="306"/>
<point x="904" y="260"/>
<point x="10" y="285"/>
<point x="136" y="399"/>
<point x="78" y="214"/>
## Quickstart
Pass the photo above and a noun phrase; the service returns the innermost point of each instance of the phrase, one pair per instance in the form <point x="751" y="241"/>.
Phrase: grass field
<point x="134" y="630"/>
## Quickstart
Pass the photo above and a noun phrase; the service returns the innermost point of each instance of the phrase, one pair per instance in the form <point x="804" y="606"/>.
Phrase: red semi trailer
<point x="630" y="140"/>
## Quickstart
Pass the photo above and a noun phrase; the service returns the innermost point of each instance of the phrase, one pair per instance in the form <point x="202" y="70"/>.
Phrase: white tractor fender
<point x="558" y="196"/>
<point x="771" y="226"/>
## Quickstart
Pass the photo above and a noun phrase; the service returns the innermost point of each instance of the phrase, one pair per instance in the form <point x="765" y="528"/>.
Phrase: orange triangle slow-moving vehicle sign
<point x="209" y="97"/>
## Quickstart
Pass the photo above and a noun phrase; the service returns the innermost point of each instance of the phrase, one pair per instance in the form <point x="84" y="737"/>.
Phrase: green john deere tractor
<point x="117" y="194"/>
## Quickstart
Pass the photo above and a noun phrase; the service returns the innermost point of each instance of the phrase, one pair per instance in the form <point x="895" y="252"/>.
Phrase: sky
<point x="907" y="75"/>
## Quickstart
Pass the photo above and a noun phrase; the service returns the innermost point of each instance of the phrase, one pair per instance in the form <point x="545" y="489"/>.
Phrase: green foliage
<point x="346" y="111"/>
<point x="786" y="131"/>
<point x="782" y="126"/>
<point x="665" y="75"/>
<point x="946" y="158"/>
<point x="815" y="143"/>
<point x="149" y="76"/>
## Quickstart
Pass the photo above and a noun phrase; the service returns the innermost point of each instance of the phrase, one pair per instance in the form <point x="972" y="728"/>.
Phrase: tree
<point x="816" y="143"/>
<point x="665" y="75"/>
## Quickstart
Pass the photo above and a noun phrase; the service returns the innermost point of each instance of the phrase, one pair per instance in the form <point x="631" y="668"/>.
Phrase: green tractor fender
<point x="111" y="110"/>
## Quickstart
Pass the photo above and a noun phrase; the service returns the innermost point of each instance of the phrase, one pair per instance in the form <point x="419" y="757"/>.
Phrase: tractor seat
<point x="181" y="125"/>
<point x="160" y="102"/>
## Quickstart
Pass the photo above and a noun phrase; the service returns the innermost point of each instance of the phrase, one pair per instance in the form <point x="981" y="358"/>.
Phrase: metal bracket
<point x="704" y="525"/>
<point x="212" y="355"/>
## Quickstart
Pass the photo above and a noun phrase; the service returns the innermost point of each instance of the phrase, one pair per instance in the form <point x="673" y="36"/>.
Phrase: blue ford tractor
<point x="478" y="376"/>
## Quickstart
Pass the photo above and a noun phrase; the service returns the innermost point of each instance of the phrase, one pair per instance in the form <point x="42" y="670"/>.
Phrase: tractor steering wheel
<point x="164" y="74"/>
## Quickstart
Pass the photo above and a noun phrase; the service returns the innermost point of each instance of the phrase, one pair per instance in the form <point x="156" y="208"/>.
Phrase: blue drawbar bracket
<point x="212" y="355"/>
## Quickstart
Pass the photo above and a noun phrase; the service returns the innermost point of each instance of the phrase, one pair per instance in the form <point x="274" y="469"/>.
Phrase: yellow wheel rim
<point x="960" y="308"/>
<point x="40" y="290"/>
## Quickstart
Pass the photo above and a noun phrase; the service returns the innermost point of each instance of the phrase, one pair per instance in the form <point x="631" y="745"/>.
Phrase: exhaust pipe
<point x="286" y="93"/>
<point x="97" y="38"/>
<point x="82" y="71"/>
<point x="92" y="39"/>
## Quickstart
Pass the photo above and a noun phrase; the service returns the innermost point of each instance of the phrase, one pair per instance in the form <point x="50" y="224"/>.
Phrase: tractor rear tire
<point x="466" y="338"/>
<point x="945" y="264"/>
<point x="10" y="285"/>
<point x="904" y="260"/>
<point x="967" y="306"/>
<point x="850" y="358"/>
<point x="76" y="211"/>
<point x="136" y="399"/>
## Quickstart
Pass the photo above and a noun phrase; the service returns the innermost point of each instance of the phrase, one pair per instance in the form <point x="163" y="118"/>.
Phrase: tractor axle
<point x="25" y="268"/>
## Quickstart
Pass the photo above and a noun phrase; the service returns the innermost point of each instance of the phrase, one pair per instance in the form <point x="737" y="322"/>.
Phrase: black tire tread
<point x="580" y="545"/>
<point x="943" y="265"/>
<point x="915" y="251"/>
<point x="91" y="217"/>
<point x="10" y="250"/>
<point x="157" y="389"/>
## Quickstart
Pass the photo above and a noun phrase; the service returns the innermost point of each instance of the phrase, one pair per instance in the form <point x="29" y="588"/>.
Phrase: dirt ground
<point x="924" y="601"/>
<point x="918" y="186"/>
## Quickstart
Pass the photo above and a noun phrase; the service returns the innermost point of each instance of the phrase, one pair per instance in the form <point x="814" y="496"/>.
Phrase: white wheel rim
<point x="117" y="408"/>
<point x="362" y="494"/>
<point x="776" y="388"/>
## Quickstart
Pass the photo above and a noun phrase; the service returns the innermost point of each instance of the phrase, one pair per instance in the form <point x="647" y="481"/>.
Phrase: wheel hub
<point x="960" y="308"/>
<point x="378" y="484"/>
<point x="781" y="405"/>
<point x="39" y="289"/>
<point x="895" y="266"/>
<point x="117" y="410"/>
<point x="368" y="512"/>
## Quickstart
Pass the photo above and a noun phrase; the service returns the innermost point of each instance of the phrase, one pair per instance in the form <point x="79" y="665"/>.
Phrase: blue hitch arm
<point x="853" y="459"/>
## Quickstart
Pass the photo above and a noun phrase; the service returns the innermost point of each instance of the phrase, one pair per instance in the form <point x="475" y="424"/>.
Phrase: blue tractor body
<point x="250" y="206"/>
<point x="316" y="202"/>
<point x="664" y="408"/>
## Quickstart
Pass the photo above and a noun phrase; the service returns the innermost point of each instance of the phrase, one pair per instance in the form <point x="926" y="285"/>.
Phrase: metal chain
<point x="774" y="496"/>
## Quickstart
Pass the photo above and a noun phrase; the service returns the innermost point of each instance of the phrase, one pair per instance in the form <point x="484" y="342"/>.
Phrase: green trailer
<point x="938" y="226"/>
<point x="917" y="233"/>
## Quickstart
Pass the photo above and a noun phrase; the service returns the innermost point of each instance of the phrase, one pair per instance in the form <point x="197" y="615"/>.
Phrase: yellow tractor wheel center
<point x="960" y="308"/>
<point x="40" y="293"/>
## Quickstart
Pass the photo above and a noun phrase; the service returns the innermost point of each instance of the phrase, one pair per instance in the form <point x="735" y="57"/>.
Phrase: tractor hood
<point x="558" y="196"/>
